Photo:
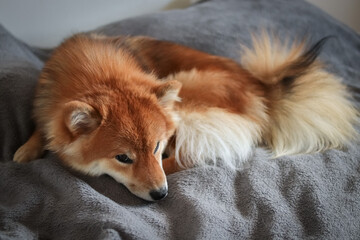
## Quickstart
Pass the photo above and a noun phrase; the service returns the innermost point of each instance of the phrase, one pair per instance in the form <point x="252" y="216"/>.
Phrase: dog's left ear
<point x="80" y="118"/>
<point x="167" y="93"/>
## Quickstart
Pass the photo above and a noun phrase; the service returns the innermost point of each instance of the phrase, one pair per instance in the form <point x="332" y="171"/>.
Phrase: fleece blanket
<point x="312" y="196"/>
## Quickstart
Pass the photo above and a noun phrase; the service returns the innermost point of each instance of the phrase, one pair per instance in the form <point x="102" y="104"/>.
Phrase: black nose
<point x="159" y="194"/>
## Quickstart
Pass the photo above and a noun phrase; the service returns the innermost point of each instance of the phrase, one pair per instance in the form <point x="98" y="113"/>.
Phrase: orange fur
<point x="100" y="97"/>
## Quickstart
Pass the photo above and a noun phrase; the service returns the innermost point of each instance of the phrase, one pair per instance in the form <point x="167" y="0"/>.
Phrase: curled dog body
<point x="113" y="105"/>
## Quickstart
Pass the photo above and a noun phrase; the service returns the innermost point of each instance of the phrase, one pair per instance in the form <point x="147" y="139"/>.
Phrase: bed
<point x="310" y="196"/>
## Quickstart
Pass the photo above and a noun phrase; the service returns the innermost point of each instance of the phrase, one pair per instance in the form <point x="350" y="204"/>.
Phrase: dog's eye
<point x="157" y="147"/>
<point x="123" y="158"/>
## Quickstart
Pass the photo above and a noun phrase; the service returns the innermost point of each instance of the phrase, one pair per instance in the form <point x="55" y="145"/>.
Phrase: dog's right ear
<point x="81" y="118"/>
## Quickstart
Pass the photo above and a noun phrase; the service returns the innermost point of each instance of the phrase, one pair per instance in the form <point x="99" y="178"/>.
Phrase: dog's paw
<point x="170" y="166"/>
<point x="31" y="150"/>
<point x="25" y="154"/>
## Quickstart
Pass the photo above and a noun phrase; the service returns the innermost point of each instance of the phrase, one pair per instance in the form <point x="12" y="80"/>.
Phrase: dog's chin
<point x="144" y="196"/>
<point x="150" y="196"/>
<point x="153" y="194"/>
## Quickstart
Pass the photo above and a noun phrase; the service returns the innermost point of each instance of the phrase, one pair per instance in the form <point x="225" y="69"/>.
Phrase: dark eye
<point x="157" y="147"/>
<point x="123" y="158"/>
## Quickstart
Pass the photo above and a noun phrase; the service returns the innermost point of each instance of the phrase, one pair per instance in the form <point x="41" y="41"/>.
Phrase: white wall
<point x="45" y="23"/>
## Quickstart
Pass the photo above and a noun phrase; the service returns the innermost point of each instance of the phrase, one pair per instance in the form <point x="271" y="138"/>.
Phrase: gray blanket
<point x="295" y="197"/>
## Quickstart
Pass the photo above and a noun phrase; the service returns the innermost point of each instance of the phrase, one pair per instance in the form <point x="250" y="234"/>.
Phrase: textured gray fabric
<point x="298" y="197"/>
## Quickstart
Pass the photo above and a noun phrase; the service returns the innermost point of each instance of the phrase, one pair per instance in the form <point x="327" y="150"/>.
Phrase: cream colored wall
<point x="45" y="23"/>
<point x="347" y="11"/>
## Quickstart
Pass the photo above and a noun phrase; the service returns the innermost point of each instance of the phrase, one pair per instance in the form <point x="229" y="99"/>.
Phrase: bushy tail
<point x="309" y="109"/>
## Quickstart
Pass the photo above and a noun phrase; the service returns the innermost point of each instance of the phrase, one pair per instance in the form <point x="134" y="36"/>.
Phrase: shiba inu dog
<point x="113" y="105"/>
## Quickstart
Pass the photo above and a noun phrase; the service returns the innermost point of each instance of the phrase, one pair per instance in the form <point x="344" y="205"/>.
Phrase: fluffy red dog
<point x="114" y="105"/>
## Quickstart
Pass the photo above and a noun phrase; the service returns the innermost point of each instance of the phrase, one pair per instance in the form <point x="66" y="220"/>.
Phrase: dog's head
<point x="118" y="124"/>
<point x="124" y="138"/>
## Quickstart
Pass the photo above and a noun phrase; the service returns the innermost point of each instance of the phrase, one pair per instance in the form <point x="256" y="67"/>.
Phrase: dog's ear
<point x="167" y="93"/>
<point x="81" y="118"/>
